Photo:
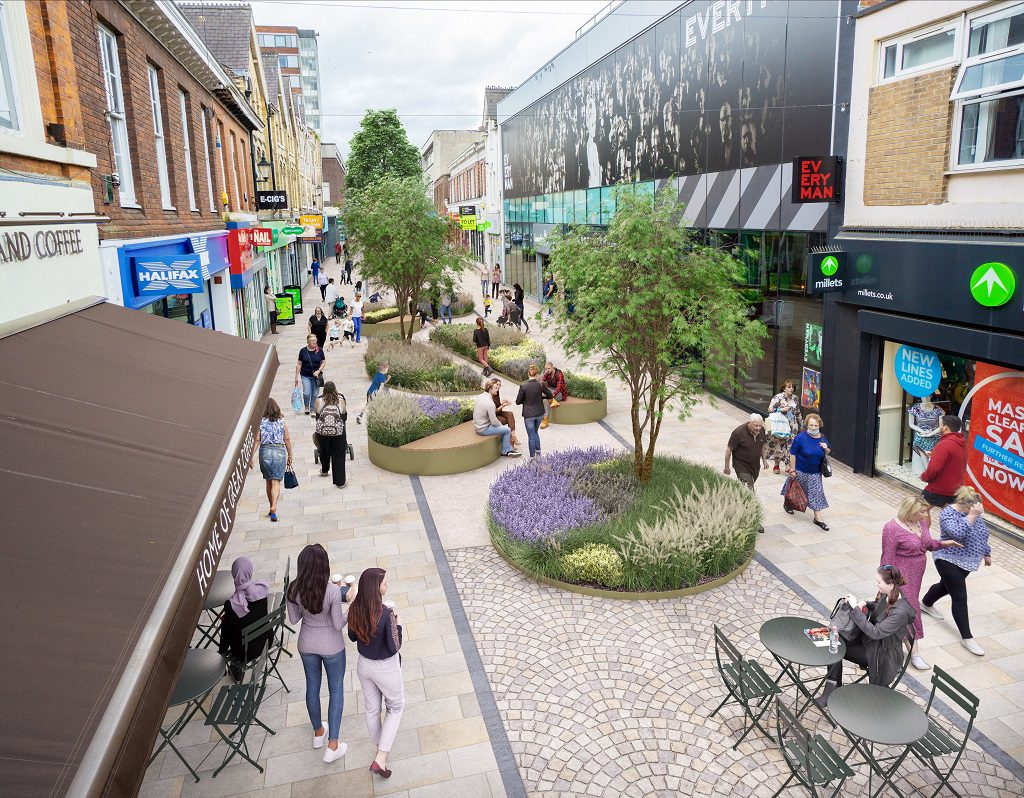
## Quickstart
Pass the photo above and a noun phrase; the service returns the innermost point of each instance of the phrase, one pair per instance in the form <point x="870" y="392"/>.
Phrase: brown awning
<point x="126" y="441"/>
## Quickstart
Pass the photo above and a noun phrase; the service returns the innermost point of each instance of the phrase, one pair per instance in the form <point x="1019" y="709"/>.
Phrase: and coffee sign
<point x="817" y="179"/>
<point x="157" y="276"/>
<point x="17" y="246"/>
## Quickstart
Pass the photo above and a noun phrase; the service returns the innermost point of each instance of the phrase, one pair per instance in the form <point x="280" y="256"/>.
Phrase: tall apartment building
<point x="299" y="62"/>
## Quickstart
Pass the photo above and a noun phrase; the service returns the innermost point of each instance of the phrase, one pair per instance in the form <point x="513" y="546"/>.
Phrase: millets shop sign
<point x="18" y="246"/>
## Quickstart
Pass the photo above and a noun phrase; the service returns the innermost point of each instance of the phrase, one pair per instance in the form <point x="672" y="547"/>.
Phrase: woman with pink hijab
<point x="247" y="605"/>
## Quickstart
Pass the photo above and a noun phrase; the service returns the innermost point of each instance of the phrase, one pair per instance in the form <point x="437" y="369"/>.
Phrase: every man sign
<point x="816" y="179"/>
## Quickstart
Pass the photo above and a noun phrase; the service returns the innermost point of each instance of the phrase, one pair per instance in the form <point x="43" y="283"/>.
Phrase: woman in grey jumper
<point x="532" y="394"/>
<point x="317" y="602"/>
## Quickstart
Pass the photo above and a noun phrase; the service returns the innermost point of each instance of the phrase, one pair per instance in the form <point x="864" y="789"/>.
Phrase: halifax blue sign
<point x="164" y="275"/>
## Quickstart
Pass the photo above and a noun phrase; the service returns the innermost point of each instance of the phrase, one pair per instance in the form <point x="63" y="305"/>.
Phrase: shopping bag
<point x="796" y="498"/>
<point x="297" y="404"/>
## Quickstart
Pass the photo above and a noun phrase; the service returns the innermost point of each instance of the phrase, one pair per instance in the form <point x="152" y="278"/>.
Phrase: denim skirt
<point x="273" y="457"/>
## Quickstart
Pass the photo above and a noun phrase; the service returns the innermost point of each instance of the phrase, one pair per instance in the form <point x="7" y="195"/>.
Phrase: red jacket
<point x="556" y="382"/>
<point x="945" y="471"/>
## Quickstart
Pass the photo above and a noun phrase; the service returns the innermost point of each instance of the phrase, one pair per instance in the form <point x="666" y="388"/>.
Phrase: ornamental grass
<point x="395" y="419"/>
<point x="418" y="367"/>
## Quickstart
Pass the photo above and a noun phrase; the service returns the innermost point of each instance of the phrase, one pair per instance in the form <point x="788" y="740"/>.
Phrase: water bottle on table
<point x="833" y="640"/>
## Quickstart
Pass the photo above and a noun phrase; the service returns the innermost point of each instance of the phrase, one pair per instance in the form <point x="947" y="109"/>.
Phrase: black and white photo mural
<point x="716" y="86"/>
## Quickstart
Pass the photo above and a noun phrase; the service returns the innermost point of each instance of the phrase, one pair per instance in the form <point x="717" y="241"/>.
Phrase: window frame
<point x="206" y="147"/>
<point x="159" y="137"/>
<point x="117" y="117"/>
<point x="186" y="140"/>
<point x="899" y="42"/>
<point x="13" y="73"/>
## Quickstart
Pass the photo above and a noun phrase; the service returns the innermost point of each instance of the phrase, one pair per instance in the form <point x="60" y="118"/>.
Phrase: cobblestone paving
<point x="603" y="697"/>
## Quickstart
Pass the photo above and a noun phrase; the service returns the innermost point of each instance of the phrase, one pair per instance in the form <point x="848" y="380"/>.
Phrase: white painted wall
<point x="993" y="198"/>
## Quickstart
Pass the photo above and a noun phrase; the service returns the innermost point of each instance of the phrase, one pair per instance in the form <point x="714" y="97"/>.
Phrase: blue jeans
<point x="357" y="322"/>
<point x="335" y="667"/>
<point x="483" y="287"/>
<point x="446" y="310"/>
<point x="532" y="435"/>
<point x="506" y="436"/>
<point x="309" y="391"/>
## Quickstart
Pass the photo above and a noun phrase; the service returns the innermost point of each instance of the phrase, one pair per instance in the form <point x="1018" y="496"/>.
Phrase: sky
<point x="430" y="64"/>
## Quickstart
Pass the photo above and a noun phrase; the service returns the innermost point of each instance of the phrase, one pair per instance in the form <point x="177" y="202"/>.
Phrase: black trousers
<point x="323" y="292"/>
<point x="953" y="583"/>
<point x="937" y="499"/>
<point x="494" y="290"/>
<point x="855" y="653"/>
<point x="332" y="456"/>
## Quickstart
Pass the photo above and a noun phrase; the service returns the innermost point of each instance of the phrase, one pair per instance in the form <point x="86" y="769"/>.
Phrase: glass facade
<point x="194" y="309"/>
<point x="521" y="257"/>
<point x="249" y="310"/>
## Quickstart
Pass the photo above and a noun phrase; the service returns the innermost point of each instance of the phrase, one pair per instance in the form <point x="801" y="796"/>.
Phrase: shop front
<point x="176" y="277"/>
<point x="248" y="272"/>
<point x="926" y="328"/>
<point x="285" y="265"/>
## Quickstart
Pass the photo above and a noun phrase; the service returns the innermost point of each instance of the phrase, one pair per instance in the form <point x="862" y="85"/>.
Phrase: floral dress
<point x="908" y="552"/>
<point x="926" y="420"/>
<point x="777" y="448"/>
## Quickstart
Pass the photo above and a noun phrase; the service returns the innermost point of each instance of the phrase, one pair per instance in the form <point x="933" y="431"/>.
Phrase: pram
<point x="511" y="316"/>
<point x="339" y="311"/>
<point x="316" y="440"/>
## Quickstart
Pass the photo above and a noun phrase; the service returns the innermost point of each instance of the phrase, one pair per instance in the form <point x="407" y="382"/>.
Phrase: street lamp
<point x="264" y="169"/>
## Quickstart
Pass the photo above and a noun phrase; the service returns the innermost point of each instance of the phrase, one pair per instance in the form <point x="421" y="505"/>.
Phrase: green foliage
<point x="612" y="488"/>
<point x="380" y="148"/>
<point x="395" y="419"/>
<point x="511" y="353"/>
<point x="404" y="245"/>
<point x="418" y="367"/>
<point x="583" y="386"/>
<point x="595" y="563"/>
<point x="666" y="555"/>
<point x="378" y="313"/>
<point x="655" y="307"/>
<point x="463" y="305"/>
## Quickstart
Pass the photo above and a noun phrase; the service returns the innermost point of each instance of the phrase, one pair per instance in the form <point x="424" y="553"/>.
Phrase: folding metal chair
<point x="908" y="644"/>
<point x="236" y="707"/>
<point x="283" y="602"/>
<point x="812" y="761"/>
<point x="271" y="625"/>
<point x="745" y="681"/>
<point x="941" y="739"/>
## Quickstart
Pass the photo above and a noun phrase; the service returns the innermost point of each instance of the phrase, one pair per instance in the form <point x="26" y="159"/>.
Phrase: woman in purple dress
<point x="906" y="542"/>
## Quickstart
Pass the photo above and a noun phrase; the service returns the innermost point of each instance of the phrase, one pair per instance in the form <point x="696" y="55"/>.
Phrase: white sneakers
<point x="918" y="662"/>
<point x="932" y="612"/>
<point x="335" y="755"/>
<point x="319" y="739"/>
<point x="973" y="647"/>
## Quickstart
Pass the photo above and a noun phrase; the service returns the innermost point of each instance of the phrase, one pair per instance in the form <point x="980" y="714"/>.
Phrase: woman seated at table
<point x="884" y="625"/>
<point x="246" y="606"/>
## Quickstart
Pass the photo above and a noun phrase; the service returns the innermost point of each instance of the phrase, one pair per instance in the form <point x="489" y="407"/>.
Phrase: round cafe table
<point x="221" y="590"/>
<point x="872" y="714"/>
<point x="792" y="649"/>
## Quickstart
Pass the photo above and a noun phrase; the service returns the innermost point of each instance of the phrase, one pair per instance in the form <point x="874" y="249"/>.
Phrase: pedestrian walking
<point x="964" y="522"/>
<point x="518" y="299"/>
<point x="380" y="379"/>
<point x="784" y="420"/>
<point x="374" y="627"/>
<point x="274" y="447"/>
<point x="348" y="271"/>
<point x="482" y="342"/>
<point x="532" y="394"/>
<point x="485" y="280"/>
<point x="550" y="289"/>
<point x="745" y="452"/>
<point x="247" y="605"/>
<point x="446" y="307"/>
<point x="554" y="379"/>
<point x="309" y="369"/>
<point x="319" y="604"/>
<point x="806" y="458"/>
<point x="337" y="252"/>
<point x="495" y="280"/>
<point x="906" y="541"/>
<point x="357" y="315"/>
<point x="947" y="464"/>
<point x="331" y="296"/>
<point x="322" y="282"/>
<point x="314" y="267"/>
<point x="485" y="418"/>
<point x="506" y="417"/>
<point x="318" y="326"/>
<point x="270" y="303"/>
<point x="332" y="443"/>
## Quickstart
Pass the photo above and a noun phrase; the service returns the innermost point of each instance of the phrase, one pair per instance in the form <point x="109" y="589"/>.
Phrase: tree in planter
<point x="380" y="147"/>
<point x="656" y="307"/>
<point x="403" y="242"/>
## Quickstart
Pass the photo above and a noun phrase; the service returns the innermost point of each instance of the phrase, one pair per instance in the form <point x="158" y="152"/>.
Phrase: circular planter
<point x="623" y="595"/>
<point x="445" y="395"/>
<point x="579" y="411"/>
<point x="444" y="458"/>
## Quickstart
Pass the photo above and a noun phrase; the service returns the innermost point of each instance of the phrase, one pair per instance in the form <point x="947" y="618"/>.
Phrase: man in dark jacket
<point x="945" y="472"/>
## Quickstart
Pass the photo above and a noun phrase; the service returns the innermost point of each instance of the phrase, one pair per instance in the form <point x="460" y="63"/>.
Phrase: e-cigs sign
<point x="817" y="178"/>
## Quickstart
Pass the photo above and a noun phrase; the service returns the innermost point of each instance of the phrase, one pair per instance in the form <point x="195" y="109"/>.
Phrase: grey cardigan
<point x="883" y="635"/>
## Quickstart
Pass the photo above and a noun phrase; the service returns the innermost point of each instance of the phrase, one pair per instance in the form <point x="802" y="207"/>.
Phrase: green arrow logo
<point x="992" y="284"/>
<point x="829" y="265"/>
<point x="293" y="231"/>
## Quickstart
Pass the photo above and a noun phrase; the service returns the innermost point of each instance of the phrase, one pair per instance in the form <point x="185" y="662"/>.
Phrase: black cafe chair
<point x="811" y="759"/>
<point x="943" y="739"/>
<point x="234" y="711"/>
<point x="746" y="683"/>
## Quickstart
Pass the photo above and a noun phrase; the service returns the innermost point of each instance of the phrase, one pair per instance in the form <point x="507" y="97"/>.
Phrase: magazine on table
<point x="818" y="635"/>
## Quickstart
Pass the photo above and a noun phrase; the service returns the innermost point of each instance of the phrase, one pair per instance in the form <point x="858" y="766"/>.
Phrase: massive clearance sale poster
<point x="995" y="447"/>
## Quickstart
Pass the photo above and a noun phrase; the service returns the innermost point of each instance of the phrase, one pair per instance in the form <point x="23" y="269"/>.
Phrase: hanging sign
<point x="312" y="220"/>
<point x="262" y="236"/>
<point x="157" y="276"/>
<point x="817" y="179"/>
<point x="271" y="200"/>
<point x="918" y="371"/>
<point x="827" y="272"/>
<point x="467" y="217"/>
<point x="293" y="231"/>
<point x="995" y="446"/>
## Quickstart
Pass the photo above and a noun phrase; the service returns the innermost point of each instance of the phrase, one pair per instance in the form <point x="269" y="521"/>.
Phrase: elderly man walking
<point x="745" y="451"/>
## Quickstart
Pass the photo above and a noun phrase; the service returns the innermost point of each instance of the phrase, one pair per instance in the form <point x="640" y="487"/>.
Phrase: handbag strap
<point x="835" y="609"/>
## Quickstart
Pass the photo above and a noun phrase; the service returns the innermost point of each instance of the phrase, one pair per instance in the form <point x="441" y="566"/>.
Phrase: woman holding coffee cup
<point x="373" y="626"/>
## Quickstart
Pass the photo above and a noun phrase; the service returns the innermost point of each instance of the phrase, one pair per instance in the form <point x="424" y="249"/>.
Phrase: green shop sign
<point x="828" y="272"/>
<point x="293" y="231"/>
<point x="285" y="309"/>
<point x="993" y="284"/>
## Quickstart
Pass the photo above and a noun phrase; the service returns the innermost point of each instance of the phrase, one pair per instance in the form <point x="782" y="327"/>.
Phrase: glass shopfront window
<point x="189" y="308"/>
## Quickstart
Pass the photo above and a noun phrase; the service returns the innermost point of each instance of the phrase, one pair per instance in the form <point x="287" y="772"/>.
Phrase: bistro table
<point x="213" y="608"/>
<point x="792" y="649"/>
<point x="870" y="714"/>
<point x="201" y="672"/>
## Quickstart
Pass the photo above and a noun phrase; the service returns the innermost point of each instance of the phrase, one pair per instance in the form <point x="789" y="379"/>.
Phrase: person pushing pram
<point x="511" y="315"/>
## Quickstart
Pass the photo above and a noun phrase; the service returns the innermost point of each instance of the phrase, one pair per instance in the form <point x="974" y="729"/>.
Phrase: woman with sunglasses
<point x="885" y="625"/>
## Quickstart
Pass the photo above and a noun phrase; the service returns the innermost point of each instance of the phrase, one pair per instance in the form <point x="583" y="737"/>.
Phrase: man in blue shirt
<point x="550" y="289"/>
<point x="380" y="379"/>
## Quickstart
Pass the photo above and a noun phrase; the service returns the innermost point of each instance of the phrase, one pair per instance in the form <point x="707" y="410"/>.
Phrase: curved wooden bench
<point x="452" y="451"/>
<point x="579" y="411"/>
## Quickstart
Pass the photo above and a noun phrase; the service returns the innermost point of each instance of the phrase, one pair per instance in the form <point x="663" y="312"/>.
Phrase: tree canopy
<point x="379" y="148"/>
<point x="403" y="243"/>
<point x="655" y="306"/>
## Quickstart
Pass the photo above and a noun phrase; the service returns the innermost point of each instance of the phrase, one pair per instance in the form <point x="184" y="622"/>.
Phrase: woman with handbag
<point x="906" y="542"/>
<point x="310" y="370"/>
<point x="882" y="628"/>
<point x="784" y="406"/>
<point x="808" y="464"/>
<point x="318" y="326"/>
<point x="331" y="415"/>
<point x="375" y="630"/>
<point x="275" y="452"/>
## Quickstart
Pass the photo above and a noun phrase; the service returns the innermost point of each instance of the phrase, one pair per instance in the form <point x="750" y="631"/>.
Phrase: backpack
<point x="329" y="422"/>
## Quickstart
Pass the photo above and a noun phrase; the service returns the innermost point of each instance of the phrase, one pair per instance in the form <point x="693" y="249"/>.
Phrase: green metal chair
<point x="271" y="625"/>
<point x="941" y="740"/>
<point x="235" y="708"/>
<point x="812" y="761"/>
<point x="745" y="682"/>
<point x="908" y="644"/>
<point x="283" y="602"/>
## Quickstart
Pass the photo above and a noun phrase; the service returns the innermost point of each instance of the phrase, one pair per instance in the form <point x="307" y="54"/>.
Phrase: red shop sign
<point x="262" y="236"/>
<point x="239" y="251"/>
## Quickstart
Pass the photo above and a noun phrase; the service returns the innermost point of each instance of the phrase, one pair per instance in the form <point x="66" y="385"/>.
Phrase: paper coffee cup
<point x="336" y="578"/>
<point x="350" y="580"/>
<point x="389" y="604"/>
